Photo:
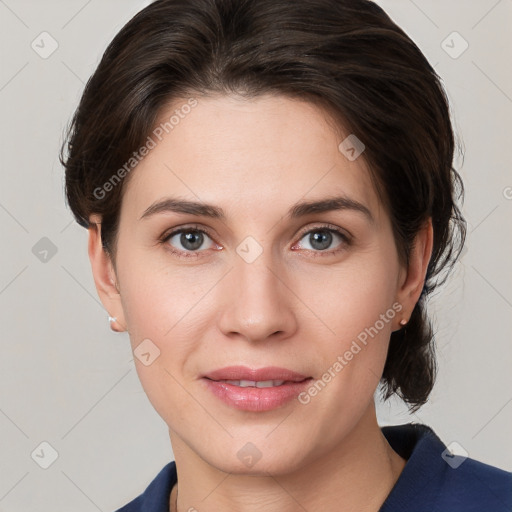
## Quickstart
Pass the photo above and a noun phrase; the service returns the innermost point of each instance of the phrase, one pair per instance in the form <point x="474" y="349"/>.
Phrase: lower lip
<point x="256" y="399"/>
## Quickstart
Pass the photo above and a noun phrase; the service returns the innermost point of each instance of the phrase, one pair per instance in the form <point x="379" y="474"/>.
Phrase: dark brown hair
<point x="346" y="55"/>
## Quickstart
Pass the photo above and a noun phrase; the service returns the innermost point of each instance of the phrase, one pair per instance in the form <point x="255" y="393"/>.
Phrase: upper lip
<point x="256" y="374"/>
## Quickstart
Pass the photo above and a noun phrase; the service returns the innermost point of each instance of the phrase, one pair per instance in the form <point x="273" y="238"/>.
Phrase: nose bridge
<point x="257" y="306"/>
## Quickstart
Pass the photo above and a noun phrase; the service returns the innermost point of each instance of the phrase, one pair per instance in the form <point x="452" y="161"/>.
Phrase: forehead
<point x="254" y="156"/>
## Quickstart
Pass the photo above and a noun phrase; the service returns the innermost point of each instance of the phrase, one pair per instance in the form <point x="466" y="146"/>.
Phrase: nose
<point x="258" y="303"/>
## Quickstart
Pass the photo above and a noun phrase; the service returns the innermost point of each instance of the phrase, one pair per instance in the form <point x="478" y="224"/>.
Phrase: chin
<point x="250" y="460"/>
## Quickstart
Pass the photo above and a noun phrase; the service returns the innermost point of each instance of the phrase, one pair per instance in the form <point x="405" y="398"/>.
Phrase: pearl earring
<point x="403" y="322"/>
<point x="112" y="321"/>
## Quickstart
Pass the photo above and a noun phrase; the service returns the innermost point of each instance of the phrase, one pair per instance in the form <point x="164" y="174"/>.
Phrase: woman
<point x="270" y="199"/>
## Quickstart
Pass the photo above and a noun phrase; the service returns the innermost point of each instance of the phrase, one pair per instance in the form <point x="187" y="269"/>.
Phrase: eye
<point x="186" y="241"/>
<point x="321" y="239"/>
<point x="189" y="241"/>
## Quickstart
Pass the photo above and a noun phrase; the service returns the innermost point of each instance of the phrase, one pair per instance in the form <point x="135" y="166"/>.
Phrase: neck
<point x="357" y="475"/>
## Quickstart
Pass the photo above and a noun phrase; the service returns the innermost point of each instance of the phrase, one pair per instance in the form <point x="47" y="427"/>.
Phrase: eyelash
<point x="195" y="229"/>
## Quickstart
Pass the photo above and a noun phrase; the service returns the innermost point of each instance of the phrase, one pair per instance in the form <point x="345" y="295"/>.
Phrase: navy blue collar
<point x="429" y="482"/>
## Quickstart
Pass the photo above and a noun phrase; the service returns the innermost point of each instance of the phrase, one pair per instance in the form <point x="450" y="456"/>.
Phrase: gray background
<point x="68" y="380"/>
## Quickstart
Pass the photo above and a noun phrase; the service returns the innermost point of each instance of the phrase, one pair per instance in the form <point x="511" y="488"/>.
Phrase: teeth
<point x="269" y="383"/>
<point x="255" y="384"/>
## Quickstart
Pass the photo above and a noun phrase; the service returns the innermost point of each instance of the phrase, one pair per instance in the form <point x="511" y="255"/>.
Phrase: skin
<point x="294" y="306"/>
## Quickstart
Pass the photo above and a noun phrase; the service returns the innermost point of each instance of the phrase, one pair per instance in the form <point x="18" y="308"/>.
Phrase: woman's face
<point x="256" y="280"/>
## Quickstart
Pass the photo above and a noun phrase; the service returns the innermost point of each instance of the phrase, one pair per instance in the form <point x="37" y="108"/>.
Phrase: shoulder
<point x="436" y="480"/>
<point x="475" y="486"/>
<point x="156" y="495"/>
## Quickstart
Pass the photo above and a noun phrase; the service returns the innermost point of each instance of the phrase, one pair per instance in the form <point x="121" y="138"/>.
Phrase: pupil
<point x="187" y="240"/>
<point x="323" y="238"/>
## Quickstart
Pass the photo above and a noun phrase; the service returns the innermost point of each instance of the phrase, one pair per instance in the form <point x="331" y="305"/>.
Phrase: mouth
<point x="255" y="390"/>
<point x="256" y="383"/>
<point x="246" y="374"/>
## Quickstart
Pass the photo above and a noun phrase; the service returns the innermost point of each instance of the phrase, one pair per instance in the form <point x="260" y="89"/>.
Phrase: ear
<point x="412" y="278"/>
<point x="104" y="276"/>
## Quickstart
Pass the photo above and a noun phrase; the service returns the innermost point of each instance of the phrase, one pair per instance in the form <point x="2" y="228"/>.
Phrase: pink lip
<point x="252" y="398"/>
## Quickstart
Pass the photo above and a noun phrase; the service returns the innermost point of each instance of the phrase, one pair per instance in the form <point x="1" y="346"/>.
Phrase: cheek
<point x="166" y="316"/>
<point x="347" y="300"/>
<point x="156" y="301"/>
<point x="354" y="308"/>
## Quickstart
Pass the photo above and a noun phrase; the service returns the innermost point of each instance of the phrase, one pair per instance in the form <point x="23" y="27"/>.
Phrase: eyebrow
<point x="170" y="204"/>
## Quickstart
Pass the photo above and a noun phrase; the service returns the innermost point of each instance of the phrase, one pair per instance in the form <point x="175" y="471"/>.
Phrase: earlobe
<point x="115" y="325"/>
<point x="412" y="286"/>
<point x="104" y="276"/>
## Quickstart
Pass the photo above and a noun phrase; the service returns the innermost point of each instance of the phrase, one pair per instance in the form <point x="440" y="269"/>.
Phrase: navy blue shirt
<point x="431" y="481"/>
